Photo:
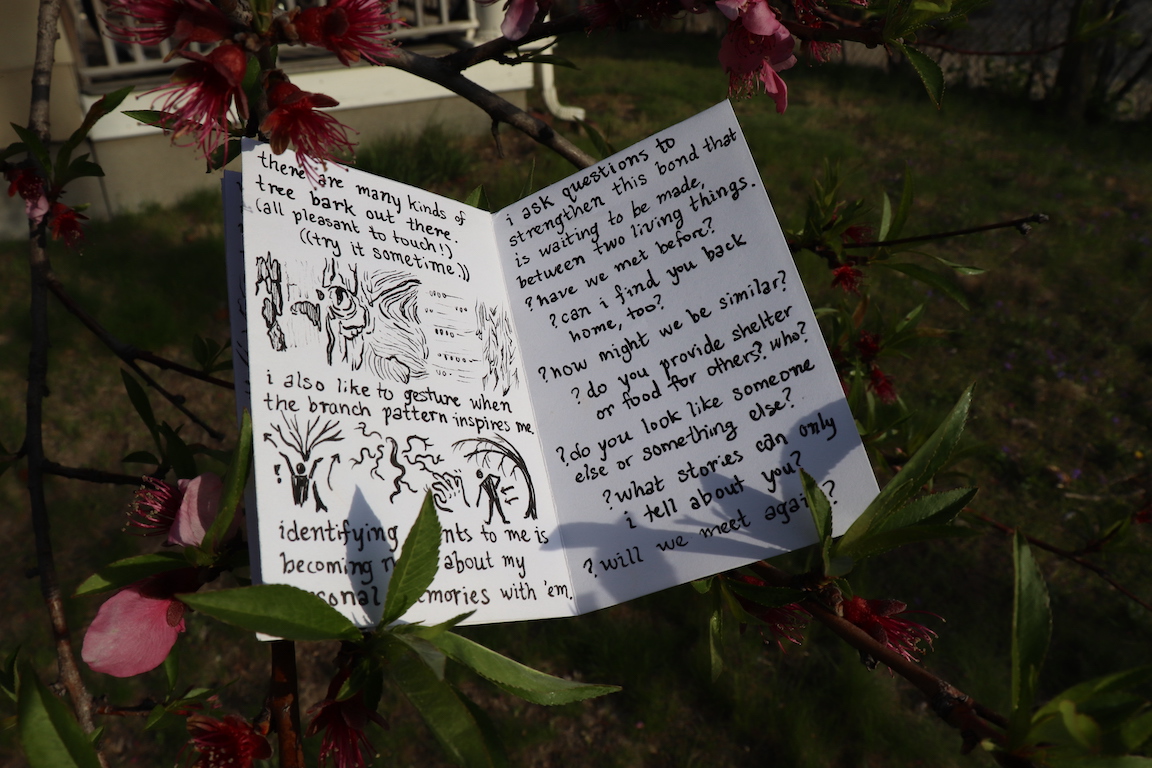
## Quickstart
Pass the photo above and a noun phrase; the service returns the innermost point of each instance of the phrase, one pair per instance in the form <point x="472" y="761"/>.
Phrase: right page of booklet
<point x="678" y="375"/>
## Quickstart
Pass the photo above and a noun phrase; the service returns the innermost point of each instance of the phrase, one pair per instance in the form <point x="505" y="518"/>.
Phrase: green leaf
<point x="496" y="752"/>
<point x="224" y="154"/>
<point x="15" y="148"/>
<point x="129" y="571"/>
<point x="275" y="609"/>
<point x="885" y="219"/>
<point x="234" y="483"/>
<point x="478" y="199"/>
<point x="882" y="541"/>
<point x="959" y="269"/>
<point x="176" y="452"/>
<point x="430" y="632"/>
<point x="8" y="675"/>
<point x="1081" y="727"/>
<point x="152" y="117"/>
<point x="928" y="70"/>
<point x="821" y="515"/>
<point x="935" y="508"/>
<point x="932" y="456"/>
<point x="1031" y="629"/>
<point x="66" y="169"/>
<point x="602" y="145"/>
<point x="702" y="586"/>
<point x="172" y="667"/>
<point x="1136" y="731"/>
<point x="140" y="457"/>
<point x="514" y="677"/>
<point x="417" y="565"/>
<point x="34" y="146"/>
<point x="50" y="735"/>
<point x="716" y="642"/>
<point x="426" y="650"/>
<point x="139" y="399"/>
<point x="1135" y="678"/>
<point x="929" y="278"/>
<point x="438" y="703"/>
<point x="905" y="207"/>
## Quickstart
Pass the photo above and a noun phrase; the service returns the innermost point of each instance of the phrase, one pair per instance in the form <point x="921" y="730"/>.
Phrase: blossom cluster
<point x="208" y="97"/>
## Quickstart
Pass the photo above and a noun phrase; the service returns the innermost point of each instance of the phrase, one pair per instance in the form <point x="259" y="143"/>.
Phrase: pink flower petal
<point x="518" y="18"/>
<point x="759" y="19"/>
<point x="198" y="509"/>
<point x="133" y="631"/>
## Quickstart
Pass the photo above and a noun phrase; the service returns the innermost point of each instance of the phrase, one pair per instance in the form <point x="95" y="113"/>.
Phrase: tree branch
<point x="1023" y="225"/>
<point x="284" y="703"/>
<point x="437" y="71"/>
<point x="129" y="354"/>
<point x="90" y="475"/>
<point x="39" y="269"/>
<point x="974" y="721"/>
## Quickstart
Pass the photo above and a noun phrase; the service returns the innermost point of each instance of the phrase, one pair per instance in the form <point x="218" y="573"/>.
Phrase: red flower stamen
<point x="201" y="94"/>
<point x="154" y="508"/>
<point x="293" y="118"/>
<point x="351" y="29"/>
<point x="847" y="278"/>
<point x="879" y="618"/>
<point x="343" y="723"/>
<point x="232" y="742"/>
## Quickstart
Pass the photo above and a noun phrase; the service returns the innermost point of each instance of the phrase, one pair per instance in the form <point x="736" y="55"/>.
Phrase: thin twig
<point x="90" y="475"/>
<point x="129" y="354"/>
<point x="1072" y="557"/>
<point x="125" y="351"/>
<point x="437" y="71"/>
<point x="39" y="268"/>
<point x="969" y="52"/>
<point x="1023" y="225"/>
<point x="497" y="48"/>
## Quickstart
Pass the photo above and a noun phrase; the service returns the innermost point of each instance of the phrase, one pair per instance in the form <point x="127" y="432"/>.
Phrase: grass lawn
<point x="1057" y="339"/>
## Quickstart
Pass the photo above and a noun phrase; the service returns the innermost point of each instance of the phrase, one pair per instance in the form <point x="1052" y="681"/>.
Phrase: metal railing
<point x="104" y="60"/>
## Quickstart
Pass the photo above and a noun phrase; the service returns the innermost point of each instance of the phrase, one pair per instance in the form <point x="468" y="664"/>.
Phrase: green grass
<point x="1057" y="340"/>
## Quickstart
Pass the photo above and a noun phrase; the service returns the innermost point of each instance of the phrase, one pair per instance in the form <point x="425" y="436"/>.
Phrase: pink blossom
<point x="136" y="628"/>
<point x="198" y="508"/>
<point x="30" y="186"/>
<point x="154" y="21"/>
<point x="519" y="15"/>
<point x="232" y="741"/>
<point x="294" y="118"/>
<point x="183" y="512"/>
<point x="847" y="278"/>
<point x="879" y="383"/>
<point x="750" y="59"/>
<point x="757" y="16"/>
<point x="201" y="94"/>
<point x="65" y="224"/>
<point x="349" y="28"/>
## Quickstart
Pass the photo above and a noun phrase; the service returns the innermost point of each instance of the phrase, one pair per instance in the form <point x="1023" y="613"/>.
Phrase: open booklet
<point x="609" y="387"/>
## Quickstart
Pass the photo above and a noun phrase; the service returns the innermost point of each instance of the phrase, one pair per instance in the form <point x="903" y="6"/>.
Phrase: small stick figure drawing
<point x="491" y="486"/>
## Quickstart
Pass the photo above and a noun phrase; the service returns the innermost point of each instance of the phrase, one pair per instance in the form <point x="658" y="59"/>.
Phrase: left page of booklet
<point x="383" y="363"/>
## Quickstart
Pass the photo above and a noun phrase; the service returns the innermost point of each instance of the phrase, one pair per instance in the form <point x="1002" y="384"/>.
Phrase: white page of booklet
<point x="679" y="376"/>
<point x="383" y="364"/>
